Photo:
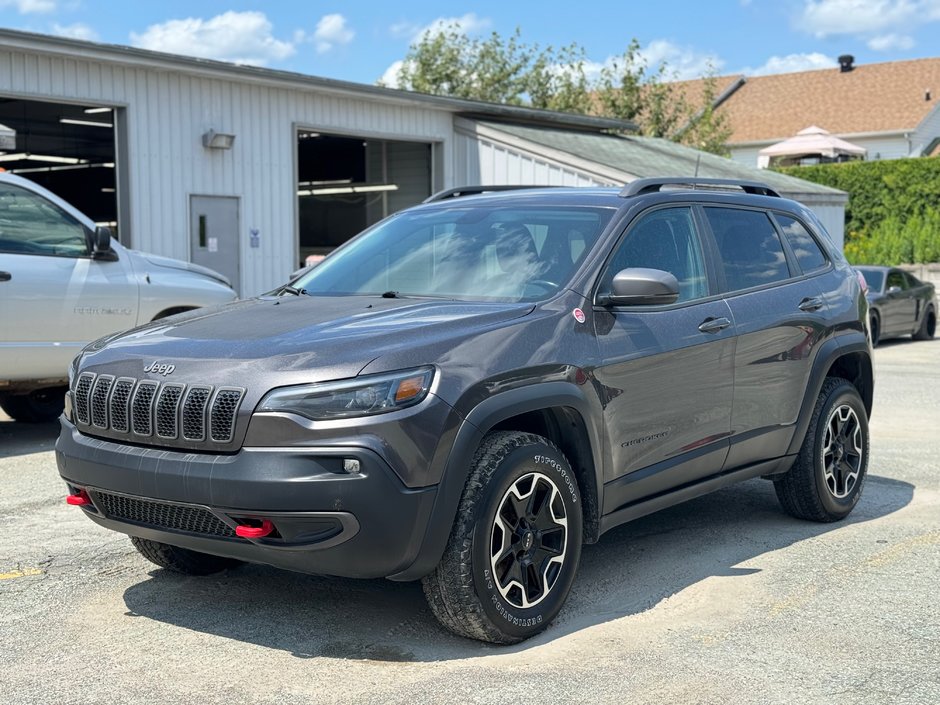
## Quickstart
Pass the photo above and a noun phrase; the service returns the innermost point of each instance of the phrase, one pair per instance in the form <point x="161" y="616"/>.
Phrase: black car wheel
<point x="928" y="326"/>
<point x="875" y="327"/>
<point x="40" y="406"/>
<point x="181" y="560"/>
<point x="515" y="545"/>
<point x="825" y="482"/>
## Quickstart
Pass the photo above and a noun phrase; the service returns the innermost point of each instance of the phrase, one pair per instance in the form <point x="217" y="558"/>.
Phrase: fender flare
<point x="477" y="423"/>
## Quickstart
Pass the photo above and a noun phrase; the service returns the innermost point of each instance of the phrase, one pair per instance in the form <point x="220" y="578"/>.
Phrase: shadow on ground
<point x="26" y="438"/>
<point x="632" y="569"/>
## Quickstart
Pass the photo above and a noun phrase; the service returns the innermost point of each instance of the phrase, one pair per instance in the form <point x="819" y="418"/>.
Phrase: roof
<point x="885" y="97"/>
<point x="639" y="157"/>
<point x="125" y="55"/>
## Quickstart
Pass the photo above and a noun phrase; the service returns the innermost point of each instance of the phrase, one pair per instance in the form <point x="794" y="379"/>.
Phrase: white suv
<point x="65" y="282"/>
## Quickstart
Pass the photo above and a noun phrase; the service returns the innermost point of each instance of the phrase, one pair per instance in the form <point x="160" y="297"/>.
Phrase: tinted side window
<point x="896" y="279"/>
<point x="750" y="249"/>
<point x="664" y="239"/>
<point x="31" y="225"/>
<point x="804" y="246"/>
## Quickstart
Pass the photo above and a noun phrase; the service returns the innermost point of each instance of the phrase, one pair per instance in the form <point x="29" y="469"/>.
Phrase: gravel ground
<point x="723" y="599"/>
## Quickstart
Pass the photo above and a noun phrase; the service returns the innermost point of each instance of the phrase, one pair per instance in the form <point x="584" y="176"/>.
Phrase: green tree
<point x="707" y="129"/>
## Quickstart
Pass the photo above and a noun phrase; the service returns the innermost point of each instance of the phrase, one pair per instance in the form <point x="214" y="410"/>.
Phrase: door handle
<point x="811" y="304"/>
<point x="713" y="325"/>
<point x="5" y="276"/>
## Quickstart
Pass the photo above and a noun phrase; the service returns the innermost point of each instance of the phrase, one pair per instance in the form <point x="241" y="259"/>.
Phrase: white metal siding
<point x="482" y="161"/>
<point x="167" y="113"/>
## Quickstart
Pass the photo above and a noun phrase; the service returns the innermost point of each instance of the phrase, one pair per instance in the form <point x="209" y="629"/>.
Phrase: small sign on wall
<point x="254" y="238"/>
<point x="213" y="244"/>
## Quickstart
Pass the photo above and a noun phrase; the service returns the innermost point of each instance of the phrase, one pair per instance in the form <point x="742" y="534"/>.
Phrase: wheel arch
<point x="557" y="410"/>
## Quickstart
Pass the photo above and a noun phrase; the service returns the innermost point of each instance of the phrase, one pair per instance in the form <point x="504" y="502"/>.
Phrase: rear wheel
<point x="181" y="560"/>
<point x="39" y="406"/>
<point x="928" y="326"/>
<point x="825" y="483"/>
<point x="514" y="549"/>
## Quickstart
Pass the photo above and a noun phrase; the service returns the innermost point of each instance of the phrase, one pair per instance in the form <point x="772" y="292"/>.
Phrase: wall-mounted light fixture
<point x="217" y="140"/>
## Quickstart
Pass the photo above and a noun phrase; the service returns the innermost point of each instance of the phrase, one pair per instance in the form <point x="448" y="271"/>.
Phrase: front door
<point x="214" y="239"/>
<point x="666" y="371"/>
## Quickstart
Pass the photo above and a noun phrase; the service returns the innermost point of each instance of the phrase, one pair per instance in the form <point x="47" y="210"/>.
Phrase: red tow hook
<point x="78" y="500"/>
<point x="255" y="532"/>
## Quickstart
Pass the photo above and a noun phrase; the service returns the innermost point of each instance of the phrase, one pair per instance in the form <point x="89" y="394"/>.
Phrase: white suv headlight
<point x="363" y="396"/>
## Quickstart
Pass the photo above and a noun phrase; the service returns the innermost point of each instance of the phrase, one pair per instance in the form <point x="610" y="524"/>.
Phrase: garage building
<point x="250" y="170"/>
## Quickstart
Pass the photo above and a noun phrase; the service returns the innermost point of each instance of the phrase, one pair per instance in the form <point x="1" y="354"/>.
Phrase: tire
<point x="487" y="585"/>
<point x="875" y="326"/>
<point x="182" y="560"/>
<point x="39" y="406"/>
<point x="826" y="480"/>
<point x="928" y="326"/>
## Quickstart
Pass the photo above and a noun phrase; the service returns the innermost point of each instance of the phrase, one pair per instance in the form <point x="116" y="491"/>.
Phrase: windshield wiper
<point x="288" y="289"/>
<point x="391" y="295"/>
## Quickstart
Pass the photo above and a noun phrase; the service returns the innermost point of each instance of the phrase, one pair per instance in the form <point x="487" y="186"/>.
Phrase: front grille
<point x="177" y="517"/>
<point x="146" y="409"/>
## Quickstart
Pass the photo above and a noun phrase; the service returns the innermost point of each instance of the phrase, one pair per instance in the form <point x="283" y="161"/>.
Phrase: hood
<point x="170" y="263"/>
<point x="277" y="341"/>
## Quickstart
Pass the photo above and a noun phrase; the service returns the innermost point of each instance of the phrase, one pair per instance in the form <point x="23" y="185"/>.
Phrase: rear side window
<point x="750" y="249"/>
<point x="804" y="245"/>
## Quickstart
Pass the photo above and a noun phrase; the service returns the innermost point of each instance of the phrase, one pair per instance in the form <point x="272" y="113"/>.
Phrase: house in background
<point x="891" y="109"/>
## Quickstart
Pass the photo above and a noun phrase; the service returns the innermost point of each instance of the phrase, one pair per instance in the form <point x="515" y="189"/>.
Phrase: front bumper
<point x="326" y="520"/>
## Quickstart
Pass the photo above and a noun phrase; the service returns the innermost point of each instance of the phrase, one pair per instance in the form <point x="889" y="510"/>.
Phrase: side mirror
<point x="101" y="244"/>
<point x="894" y="290"/>
<point x="638" y="286"/>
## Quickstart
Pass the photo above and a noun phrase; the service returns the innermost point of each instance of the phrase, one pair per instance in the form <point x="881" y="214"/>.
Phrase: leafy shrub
<point x="893" y="213"/>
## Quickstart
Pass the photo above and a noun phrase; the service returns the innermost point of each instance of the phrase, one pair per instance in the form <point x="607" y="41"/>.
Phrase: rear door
<point x="780" y="319"/>
<point x="54" y="298"/>
<point x="666" y="371"/>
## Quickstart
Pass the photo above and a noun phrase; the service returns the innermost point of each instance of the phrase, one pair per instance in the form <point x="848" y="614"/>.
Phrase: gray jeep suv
<point x="472" y="389"/>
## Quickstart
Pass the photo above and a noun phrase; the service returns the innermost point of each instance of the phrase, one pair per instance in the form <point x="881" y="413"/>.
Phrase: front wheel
<point x="928" y="326"/>
<point x="825" y="482"/>
<point x="39" y="406"/>
<point x="516" y="542"/>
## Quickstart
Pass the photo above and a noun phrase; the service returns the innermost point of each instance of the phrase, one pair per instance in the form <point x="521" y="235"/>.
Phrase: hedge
<point x="893" y="213"/>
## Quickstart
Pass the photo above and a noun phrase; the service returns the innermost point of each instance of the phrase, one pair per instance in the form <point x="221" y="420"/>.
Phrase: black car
<point x="474" y="388"/>
<point x="899" y="304"/>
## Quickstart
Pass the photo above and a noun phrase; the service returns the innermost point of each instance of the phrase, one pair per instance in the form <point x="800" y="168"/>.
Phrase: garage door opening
<point x="346" y="184"/>
<point x="68" y="149"/>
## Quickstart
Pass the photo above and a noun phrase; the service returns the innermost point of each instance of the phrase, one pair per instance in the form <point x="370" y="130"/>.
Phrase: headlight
<point x="363" y="396"/>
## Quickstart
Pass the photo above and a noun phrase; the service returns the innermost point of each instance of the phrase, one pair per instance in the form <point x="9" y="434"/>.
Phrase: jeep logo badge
<point x="160" y="369"/>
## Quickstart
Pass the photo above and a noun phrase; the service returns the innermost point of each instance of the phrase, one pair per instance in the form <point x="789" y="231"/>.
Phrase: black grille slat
<point x="82" y="394"/>
<point x="141" y="408"/>
<point x="222" y="415"/>
<point x="166" y="410"/>
<point x="177" y="517"/>
<point x="120" y="396"/>
<point x="99" y="401"/>
<point x="193" y="416"/>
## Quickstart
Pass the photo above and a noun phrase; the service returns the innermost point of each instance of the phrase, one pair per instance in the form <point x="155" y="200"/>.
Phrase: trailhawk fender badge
<point x="578" y="315"/>
<point x="160" y="369"/>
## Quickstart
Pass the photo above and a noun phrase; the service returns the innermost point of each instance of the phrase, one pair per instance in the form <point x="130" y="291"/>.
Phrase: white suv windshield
<point x="509" y="254"/>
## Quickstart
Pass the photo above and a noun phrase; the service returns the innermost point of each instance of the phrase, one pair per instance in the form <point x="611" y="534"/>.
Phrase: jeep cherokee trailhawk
<point x="472" y="389"/>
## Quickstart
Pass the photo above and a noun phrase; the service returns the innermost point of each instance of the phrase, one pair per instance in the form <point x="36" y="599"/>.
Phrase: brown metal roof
<point x="882" y="97"/>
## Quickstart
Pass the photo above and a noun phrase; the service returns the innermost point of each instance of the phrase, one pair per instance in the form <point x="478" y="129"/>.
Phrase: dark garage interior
<point x="347" y="183"/>
<point x="68" y="149"/>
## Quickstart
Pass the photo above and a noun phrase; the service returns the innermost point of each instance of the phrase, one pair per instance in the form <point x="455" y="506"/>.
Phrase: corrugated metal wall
<point x="168" y="111"/>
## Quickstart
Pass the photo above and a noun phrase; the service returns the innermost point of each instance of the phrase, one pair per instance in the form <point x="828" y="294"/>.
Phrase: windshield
<point x="465" y="253"/>
<point x="874" y="278"/>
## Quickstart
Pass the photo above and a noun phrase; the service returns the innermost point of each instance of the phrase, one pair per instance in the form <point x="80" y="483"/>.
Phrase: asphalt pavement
<point x="723" y="599"/>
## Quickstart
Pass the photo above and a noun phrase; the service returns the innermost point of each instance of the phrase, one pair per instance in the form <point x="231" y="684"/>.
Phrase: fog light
<point x="351" y="465"/>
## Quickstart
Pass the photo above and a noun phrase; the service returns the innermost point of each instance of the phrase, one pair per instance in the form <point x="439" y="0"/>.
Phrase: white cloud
<point x="681" y="62"/>
<point x="889" y="42"/>
<point x="792" y="63"/>
<point x="332" y="31"/>
<point x="240" y="37"/>
<point x="75" y="31"/>
<point x="469" y="23"/>
<point x="390" y="77"/>
<point x="28" y="7"/>
<point x="824" y="18"/>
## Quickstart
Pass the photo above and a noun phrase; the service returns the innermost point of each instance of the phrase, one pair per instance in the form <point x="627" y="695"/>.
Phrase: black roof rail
<point x="641" y="186"/>
<point x="476" y="190"/>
